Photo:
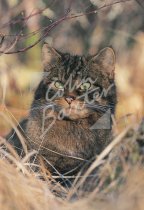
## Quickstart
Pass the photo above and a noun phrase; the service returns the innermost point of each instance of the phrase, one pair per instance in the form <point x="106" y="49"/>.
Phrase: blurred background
<point x="95" y="24"/>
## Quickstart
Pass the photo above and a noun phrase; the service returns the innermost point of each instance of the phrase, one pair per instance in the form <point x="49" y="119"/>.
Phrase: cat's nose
<point x="69" y="99"/>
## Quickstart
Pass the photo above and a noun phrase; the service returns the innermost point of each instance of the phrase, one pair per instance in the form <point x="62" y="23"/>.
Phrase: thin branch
<point x="48" y="28"/>
<point x="38" y="12"/>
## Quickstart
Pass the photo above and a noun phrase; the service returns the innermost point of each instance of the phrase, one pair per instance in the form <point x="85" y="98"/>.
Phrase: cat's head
<point x="77" y="86"/>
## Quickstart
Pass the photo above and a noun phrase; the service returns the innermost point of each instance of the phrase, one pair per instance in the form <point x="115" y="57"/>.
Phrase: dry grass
<point x="117" y="183"/>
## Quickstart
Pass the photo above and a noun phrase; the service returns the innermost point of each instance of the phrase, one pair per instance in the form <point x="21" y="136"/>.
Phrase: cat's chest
<point x="69" y="137"/>
<point x="68" y="130"/>
<point x="65" y="137"/>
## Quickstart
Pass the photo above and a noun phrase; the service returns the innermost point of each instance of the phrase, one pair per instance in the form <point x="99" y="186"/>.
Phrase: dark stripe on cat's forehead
<point x="74" y="65"/>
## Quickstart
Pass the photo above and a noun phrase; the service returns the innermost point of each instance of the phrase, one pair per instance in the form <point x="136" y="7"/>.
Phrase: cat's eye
<point x="85" y="86"/>
<point x="59" y="85"/>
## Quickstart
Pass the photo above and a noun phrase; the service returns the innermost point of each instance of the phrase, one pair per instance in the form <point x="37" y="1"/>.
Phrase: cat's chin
<point x="73" y="114"/>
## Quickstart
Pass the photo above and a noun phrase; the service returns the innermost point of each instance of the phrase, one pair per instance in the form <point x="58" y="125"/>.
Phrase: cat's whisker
<point x="38" y="107"/>
<point x="98" y="107"/>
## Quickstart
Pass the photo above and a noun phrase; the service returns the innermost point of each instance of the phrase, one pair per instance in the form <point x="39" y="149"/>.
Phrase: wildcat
<point x="74" y="93"/>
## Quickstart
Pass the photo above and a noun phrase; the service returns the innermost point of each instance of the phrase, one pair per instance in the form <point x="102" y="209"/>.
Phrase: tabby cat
<point x="64" y="123"/>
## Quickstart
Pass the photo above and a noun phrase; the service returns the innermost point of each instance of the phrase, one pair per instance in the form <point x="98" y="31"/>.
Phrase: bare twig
<point x="48" y="28"/>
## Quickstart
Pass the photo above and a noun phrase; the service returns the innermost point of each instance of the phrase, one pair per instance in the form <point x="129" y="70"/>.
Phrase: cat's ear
<point x="50" y="56"/>
<point x="106" y="61"/>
